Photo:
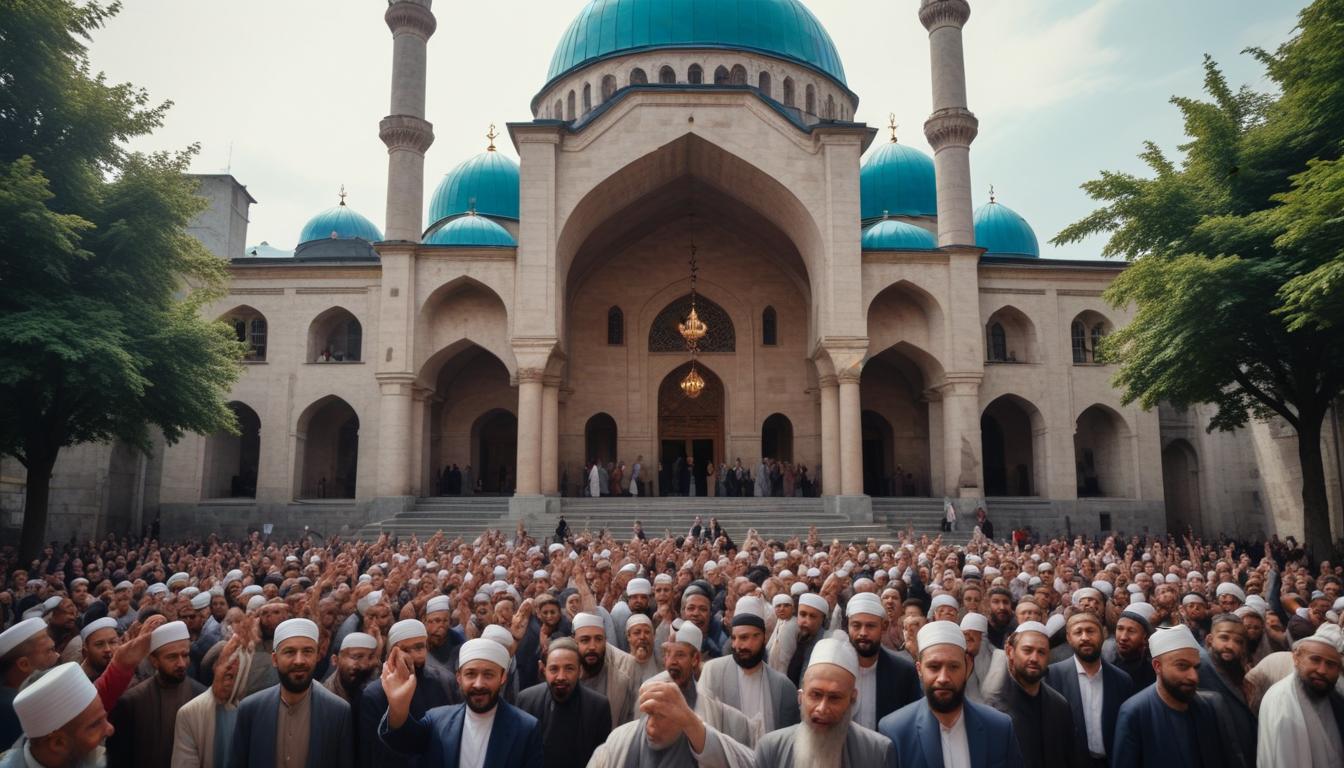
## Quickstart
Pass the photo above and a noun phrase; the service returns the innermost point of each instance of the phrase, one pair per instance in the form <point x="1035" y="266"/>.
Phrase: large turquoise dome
<point x="487" y="184"/>
<point x="1002" y="232"/>
<point x="890" y="235"/>
<point x="340" y="222"/>
<point x="897" y="180"/>
<point x="782" y="28"/>
<point x="471" y="231"/>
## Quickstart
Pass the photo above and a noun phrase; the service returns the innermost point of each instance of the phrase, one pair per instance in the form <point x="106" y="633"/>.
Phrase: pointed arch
<point x="250" y="327"/>
<point x="695" y="74"/>
<point x="335" y="336"/>
<point x="667" y="75"/>
<point x="1015" y="338"/>
<point x="721" y="76"/>
<point x="663" y="336"/>
<point x="1013" y="447"/>
<point x="615" y="327"/>
<point x="327" y="450"/>
<point x="763" y="84"/>
<point x="232" y="461"/>
<point x="737" y="75"/>
<point x="608" y="87"/>
<point x="769" y="327"/>
<point x="1102" y="453"/>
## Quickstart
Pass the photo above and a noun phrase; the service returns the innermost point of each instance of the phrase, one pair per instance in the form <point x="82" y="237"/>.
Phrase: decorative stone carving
<point x="942" y="13"/>
<point x="406" y="132"/>
<point x="663" y="336"/>
<point x="412" y="17"/>
<point x="951" y="127"/>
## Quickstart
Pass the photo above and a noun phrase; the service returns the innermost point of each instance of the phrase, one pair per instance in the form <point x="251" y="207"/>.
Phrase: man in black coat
<point x="895" y="682"/>
<point x="433" y="689"/>
<point x="1041" y="717"/>
<point x="1096" y="728"/>
<point x="574" y="719"/>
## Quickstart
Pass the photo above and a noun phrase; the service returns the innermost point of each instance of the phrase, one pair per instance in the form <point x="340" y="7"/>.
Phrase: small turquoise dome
<point x="487" y="184"/>
<point x="1002" y="232"/>
<point x="891" y="235"/>
<point x="897" y="180"/>
<point x="782" y="28"/>
<point x="340" y="223"/>
<point x="471" y="230"/>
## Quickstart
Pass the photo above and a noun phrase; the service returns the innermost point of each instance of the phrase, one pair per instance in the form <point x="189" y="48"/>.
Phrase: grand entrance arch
<point x="690" y="431"/>
<point x="1180" y="488"/>
<point x="472" y="420"/>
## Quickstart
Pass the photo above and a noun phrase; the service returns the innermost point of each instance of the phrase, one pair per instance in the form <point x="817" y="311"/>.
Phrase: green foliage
<point x="103" y="287"/>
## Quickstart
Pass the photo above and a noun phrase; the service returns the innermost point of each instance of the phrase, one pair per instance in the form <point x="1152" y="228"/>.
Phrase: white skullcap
<point x="1054" y="624"/>
<point x="168" y="633"/>
<point x="483" y="649"/>
<point x="865" y="603"/>
<point x="1326" y="634"/>
<point x="366" y="602"/>
<point x="250" y="589"/>
<point x="1032" y="626"/>
<point x="255" y="602"/>
<point x="629" y="568"/>
<point x="1085" y="592"/>
<point x="539" y="574"/>
<point x="178" y="577"/>
<point x="406" y="629"/>
<point x="188" y="592"/>
<point x="940" y="633"/>
<point x="51" y="603"/>
<point x="1104" y="587"/>
<point x="711" y="566"/>
<point x="815" y="602"/>
<point x="781" y="599"/>
<point x="1245" y="611"/>
<point x="781" y="556"/>
<point x="798" y="588"/>
<point x="359" y="640"/>
<point x="437" y="604"/>
<point x="158" y="588"/>
<point x="1142" y="608"/>
<point x="292" y="628"/>
<point x="968" y="571"/>
<point x="686" y="632"/>
<point x="636" y="619"/>
<point x="843" y="573"/>
<point x="585" y="620"/>
<point x="79" y="580"/>
<point x="639" y="587"/>
<point x="500" y="572"/>
<point x="943" y="601"/>
<point x="499" y="635"/>
<point x="974" y="622"/>
<point x="1173" y="578"/>
<point x="95" y="625"/>
<point x="1338" y="606"/>
<point x="663" y="578"/>
<point x="555" y="548"/>
<point x="1193" y="597"/>
<point x="1257" y="602"/>
<point x="1228" y="588"/>
<point x="836" y="652"/>
<point x="750" y="605"/>
<point x="786" y="574"/>
<point x="200" y="601"/>
<point x="813" y="573"/>
<point x="123" y="585"/>
<point x="1168" y="639"/>
<point x="1133" y="589"/>
<point x="54" y="700"/>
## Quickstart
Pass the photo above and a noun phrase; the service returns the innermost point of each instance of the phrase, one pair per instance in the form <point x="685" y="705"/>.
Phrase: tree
<point x="1237" y="252"/>
<point x="100" y="310"/>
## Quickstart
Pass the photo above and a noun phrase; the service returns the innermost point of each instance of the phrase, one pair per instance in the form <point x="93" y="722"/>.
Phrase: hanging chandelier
<point x="694" y="329"/>
<point x="693" y="384"/>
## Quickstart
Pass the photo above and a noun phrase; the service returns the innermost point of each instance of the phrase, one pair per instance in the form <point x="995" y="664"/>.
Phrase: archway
<point x="777" y="438"/>
<point x="879" y="478"/>
<point x="249" y="326"/>
<point x="599" y="438"/>
<point x="471" y="385"/>
<point x="1180" y="487"/>
<point x="494" y="438"/>
<point x="231" y="461"/>
<point x="328" y="446"/>
<point x="1101" y="454"/>
<point x="1010" y="337"/>
<point x="690" y="430"/>
<point x="896" y="457"/>
<point x="335" y="336"/>
<point x="1010" y="441"/>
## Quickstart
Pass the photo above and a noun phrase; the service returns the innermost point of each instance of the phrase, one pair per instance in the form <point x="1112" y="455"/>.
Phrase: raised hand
<point x="399" y="686"/>
<point x="521" y="618"/>
<point x="136" y="647"/>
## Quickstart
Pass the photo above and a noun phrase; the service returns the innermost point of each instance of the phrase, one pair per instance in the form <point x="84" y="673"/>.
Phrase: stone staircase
<point x="465" y="516"/>
<point x="924" y="514"/>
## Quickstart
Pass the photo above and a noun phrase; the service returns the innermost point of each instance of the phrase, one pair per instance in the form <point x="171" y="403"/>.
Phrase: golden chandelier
<point x="693" y="330"/>
<point x="693" y="384"/>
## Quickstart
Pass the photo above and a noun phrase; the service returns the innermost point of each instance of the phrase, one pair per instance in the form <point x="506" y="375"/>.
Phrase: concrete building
<point x="865" y="318"/>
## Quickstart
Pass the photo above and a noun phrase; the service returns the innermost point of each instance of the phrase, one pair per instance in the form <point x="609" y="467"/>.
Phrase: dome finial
<point x="471" y="207"/>
<point x="991" y="193"/>
<point x="892" y="125"/>
<point x="491" y="135"/>
<point x="342" y="194"/>
<point x="885" y="214"/>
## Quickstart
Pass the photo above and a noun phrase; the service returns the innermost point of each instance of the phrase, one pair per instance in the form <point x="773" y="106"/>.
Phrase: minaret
<point x="405" y="131"/>
<point x="952" y="127"/>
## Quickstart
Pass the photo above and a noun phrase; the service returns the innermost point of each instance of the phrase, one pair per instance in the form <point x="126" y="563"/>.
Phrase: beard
<point x="482" y="700"/>
<point x="817" y="746"/>
<point x="172" y="678"/>
<point x="296" y="680"/>
<point x="1183" y="692"/>
<point x="356" y="681"/>
<point x="945" y="700"/>
<point x="1088" y="653"/>
<point x="1030" y="675"/>
<point x="749" y="660"/>
<point x="866" y="648"/>
<point x="561" y="691"/>
<point x="592" y="664"/>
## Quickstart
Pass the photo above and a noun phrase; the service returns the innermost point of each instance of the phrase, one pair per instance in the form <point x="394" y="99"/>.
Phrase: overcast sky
<point x="287" y="94"/>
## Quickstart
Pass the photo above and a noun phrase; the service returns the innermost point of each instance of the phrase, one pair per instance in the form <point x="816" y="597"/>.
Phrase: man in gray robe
<point x="827" y="735"/>
<point x="606" y="668"/>
<point x="990" y="663"/>
<point x="145" y="716"/>
<point x="669" y="734"/>
<point x="681" y="658"/>
<point x="743" y="681"/>
<point x="1302" y="716"/>
<point x="639" y="637"/>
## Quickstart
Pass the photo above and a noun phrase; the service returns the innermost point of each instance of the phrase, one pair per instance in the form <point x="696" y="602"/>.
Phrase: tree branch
<point x="1279" y="406"/>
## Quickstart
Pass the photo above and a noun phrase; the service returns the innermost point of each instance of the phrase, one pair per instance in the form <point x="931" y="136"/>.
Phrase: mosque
<point x="862" y="315"/>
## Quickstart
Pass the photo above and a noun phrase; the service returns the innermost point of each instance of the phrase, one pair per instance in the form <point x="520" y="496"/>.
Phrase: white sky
<point x="287" y="94"/>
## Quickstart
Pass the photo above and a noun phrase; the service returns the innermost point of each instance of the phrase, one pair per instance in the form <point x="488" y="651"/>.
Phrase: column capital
<point x="552" y="382"/>
<point x="531" y="375"/>
<point x="944" y="13"/>
<point x="827" y="381"/>
<point x="849" y="376"/>
<point x="412" y="17"/>
<point x="396" y="383"/>
<point x="951" y="127"/>
<point x="406" y="132"/>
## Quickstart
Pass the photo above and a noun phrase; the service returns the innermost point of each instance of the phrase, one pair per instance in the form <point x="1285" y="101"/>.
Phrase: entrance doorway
<point x="690" y="431"/>
<point x="496" y="441"/>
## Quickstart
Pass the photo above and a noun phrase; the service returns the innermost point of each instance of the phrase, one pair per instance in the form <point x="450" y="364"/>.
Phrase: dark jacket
<point x="1058" y="747"/>
<point x="594" y="715"/>
<point x="1116" y="688"/>
<point x="897" y="683"/>
<point x="436" y="738"/>
<point x="432" y="690"/>
<point x="916" y="735"/>
<point x="1143" y="737"/>
<point x="329" y="736"/>
<point x="1234" y="701"/>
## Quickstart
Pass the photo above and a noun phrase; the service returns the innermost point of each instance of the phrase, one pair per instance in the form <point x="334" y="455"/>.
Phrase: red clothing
<point x="112" y="683"/>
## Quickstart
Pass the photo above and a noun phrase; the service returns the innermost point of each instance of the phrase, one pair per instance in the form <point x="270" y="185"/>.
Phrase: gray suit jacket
<point x="330" y="740"/>
<point x="720" y="677"/>
<point x="863" y="748"/>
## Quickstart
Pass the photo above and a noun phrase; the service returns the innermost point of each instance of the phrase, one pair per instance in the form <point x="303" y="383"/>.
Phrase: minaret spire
<point x="952" y="126"/>
<point x="405" y="131"/>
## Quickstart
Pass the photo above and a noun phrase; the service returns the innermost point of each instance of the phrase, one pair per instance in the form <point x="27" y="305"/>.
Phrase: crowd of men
<point x="688" y="651"/>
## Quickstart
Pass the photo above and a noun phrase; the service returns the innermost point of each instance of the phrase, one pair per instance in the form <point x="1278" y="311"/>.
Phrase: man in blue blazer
<point x="484" y="731"/>
<point x="1084" y="631"/>
<point x="320" y="719"/>
<point x="980" y="736"/>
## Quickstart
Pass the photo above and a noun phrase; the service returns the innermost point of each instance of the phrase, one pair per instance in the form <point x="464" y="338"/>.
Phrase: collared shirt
<point x="1092" y="689"/>
<point x="754" y="696"/>
<point x="956" y="749"/>
<point x="866" y="714"/>
<point x="292" y="729"/>
<point x="476" y="738"/>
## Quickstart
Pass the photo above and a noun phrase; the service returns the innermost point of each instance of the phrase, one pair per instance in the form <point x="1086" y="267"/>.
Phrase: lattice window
<point x="663" y="336"/>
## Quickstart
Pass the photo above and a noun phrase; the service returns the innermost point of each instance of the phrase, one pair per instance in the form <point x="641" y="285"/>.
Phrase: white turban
<point x="974" y="622"/>
<point x="20" y="633"/>
<point x="1032" y="626"/>
<point x="940" y="633"/>
<point x="865" y="603"/>
<point x="93" y="626"/>
<point x="1054" y="624"/>
<point x="663" y="578"/>
<point x="815" y="602"/>
<point x="944" y="601"/>
<point x="482" y="649"/>
<point x="200" y="601"/>
<point x="686" y="632"/>
<point x="256" y="602"/>
<point x="1142" y="608"/>
<point x="156" y="589"/>
<point x="178" y="578"/>
<point x="437" y="604"/>
<point x="639" y="587"/>
<point x="359" y="640"/>
<point x="798" y="588"/>
<point x="1228" y="588"/>
<point x="406" y="629"/>
<point x="1327" y="635"/>
<point x="54" y="700"/>
<point x="781" y="599"/>
<point x="586" y="620"/>
<point x="637" y="619"/>
<point x="368" y="601"/>
<point x="292" y="628"/>
<point x="498" y="634"/>
<point x="250" y="589"/>
<point x="1168" y="639"/>
<point x="168" y="633"/>
<point x="836" y="652"/>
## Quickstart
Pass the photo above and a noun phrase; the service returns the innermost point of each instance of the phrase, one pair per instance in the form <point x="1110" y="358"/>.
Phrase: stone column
<point x="952" y="126"/>
<point x="394" y="452"/>
<point x="529" y="431"/>
<point x="962" y="471"/>
<point x="830" y="436"/>
<point x="405" y="131"/>
<point x="550" y="436"/>
<point x="851" y="434"/>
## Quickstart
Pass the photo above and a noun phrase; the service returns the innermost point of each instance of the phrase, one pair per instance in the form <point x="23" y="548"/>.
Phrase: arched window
<point x="1079" y="335"/>
<point x="559" y="110"/>
<point x="1098" y="333"/>
<point x="335" y="337"/>
<point x="587" y="98"/>
<point x="789" y="99"/>
<point x="998" y="343"/>
<point x="830" y="107"/>
<point x="615" y="327"/>
<point x="569" y="107"/>
<point x="608" y="87"/>
<point x="695" y="75"/>
<point x="721" y="76"/>
<point x="769" y="327"/>
<point x="810" y="100"/>
<point x="764" y="84"/>
<point x="637" y="77"/>
<point x="738" y="76"/>
<point x="667" y="76"/>
<point x="249" y="327"/>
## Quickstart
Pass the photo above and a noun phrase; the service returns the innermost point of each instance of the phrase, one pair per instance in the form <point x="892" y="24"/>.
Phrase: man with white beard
<point x="744" y="681"/>
<point x="639" y="638"/>
<point x="827" y="737"/>
<point x="1302" y="716"/>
